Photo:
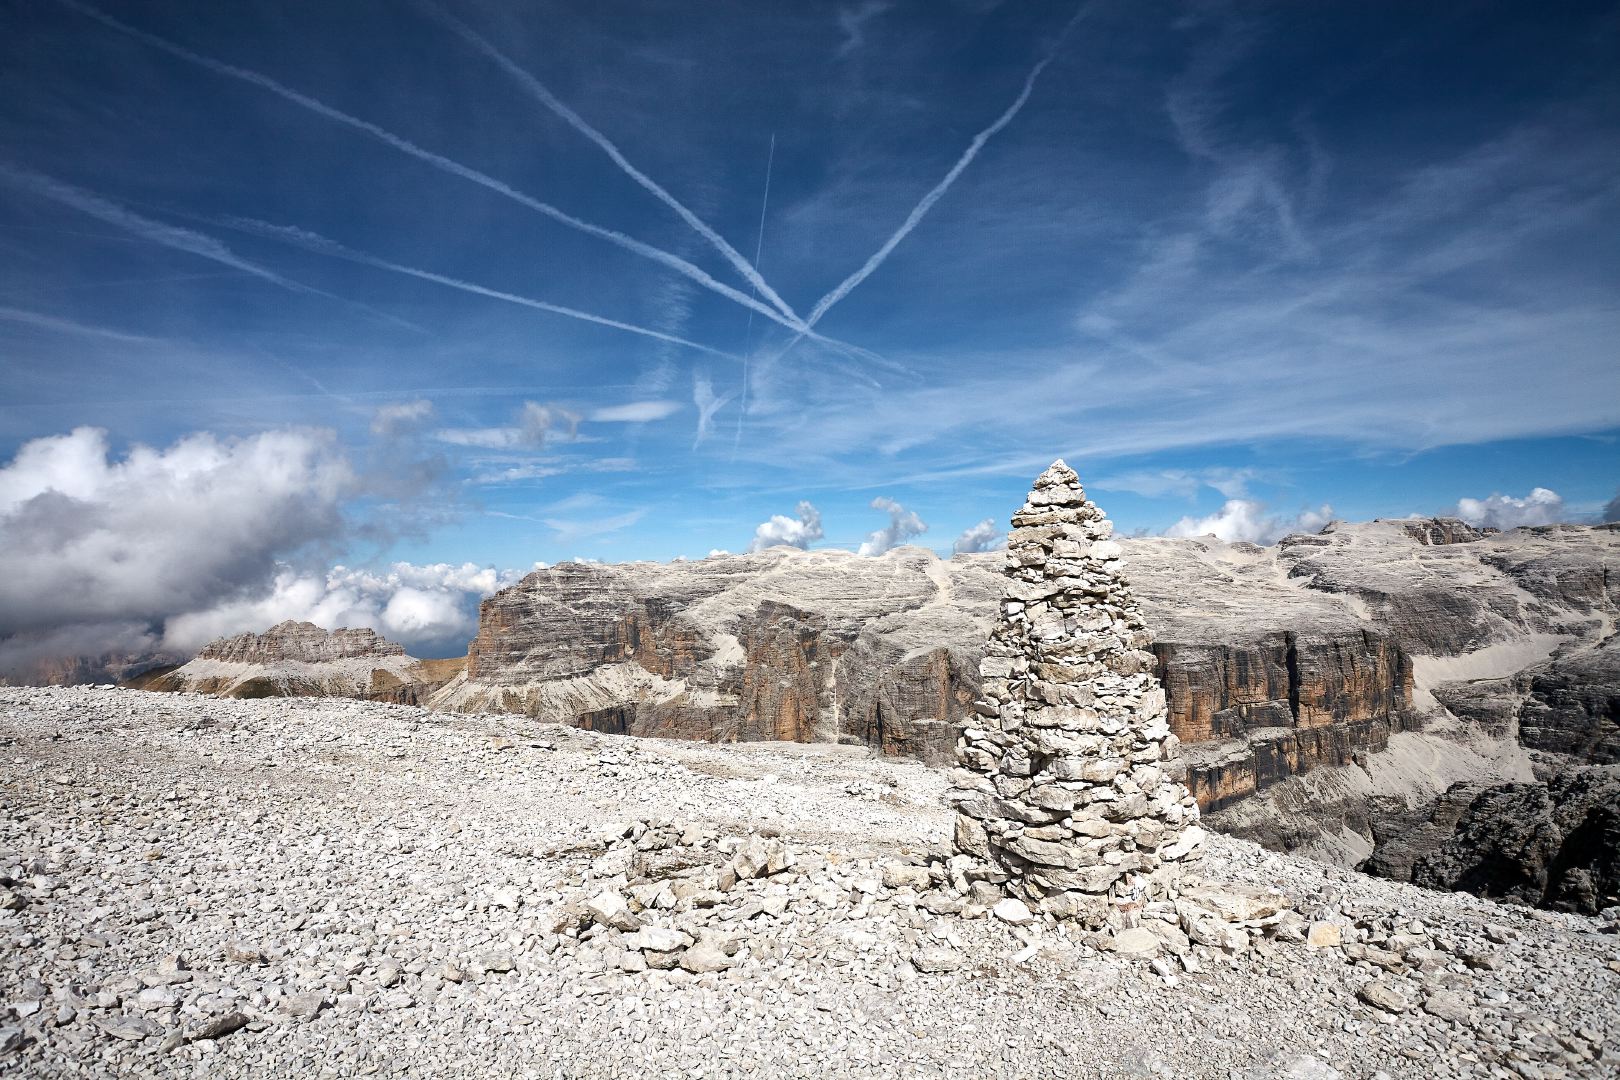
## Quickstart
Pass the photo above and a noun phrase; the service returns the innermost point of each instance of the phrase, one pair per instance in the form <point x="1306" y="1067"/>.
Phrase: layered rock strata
<point x="1070" y="790"/>
<point x="801" y="646"/>
<point x="1327" y="690"/>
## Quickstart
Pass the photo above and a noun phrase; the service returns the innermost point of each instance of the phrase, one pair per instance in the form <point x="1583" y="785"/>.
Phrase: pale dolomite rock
<point x="1071" y="792"/>
<point x="401" y="826"/>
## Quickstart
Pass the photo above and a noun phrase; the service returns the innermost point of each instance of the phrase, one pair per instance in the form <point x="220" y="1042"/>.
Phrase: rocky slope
<point x="305" y="887"/>
<point x="300" y="659"/>
<point x="1313" y="674"/>
<point x="1554" y="844"/>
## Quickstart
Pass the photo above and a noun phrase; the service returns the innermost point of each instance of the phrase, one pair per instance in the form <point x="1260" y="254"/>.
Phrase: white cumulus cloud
<point x="158" y="551"/>
<point x="903" y="526"/>
<point x="1541" y="507"/>
<point x="87" y="538"/>
<point x="1248" y="520"/>
<point x="799" y="532"/>
<point x="985" y="536"/>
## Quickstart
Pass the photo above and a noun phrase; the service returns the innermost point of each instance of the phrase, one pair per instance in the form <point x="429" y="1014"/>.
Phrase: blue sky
<point x="1346" y="259"/>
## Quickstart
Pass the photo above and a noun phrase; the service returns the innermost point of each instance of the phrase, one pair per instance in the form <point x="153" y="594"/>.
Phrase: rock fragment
<point x="934" y="959"/>
<point x="1323" y="935"/>
<point x="1382" y="994"/>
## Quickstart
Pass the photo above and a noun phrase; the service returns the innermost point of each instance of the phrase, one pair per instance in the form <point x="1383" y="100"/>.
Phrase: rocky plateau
<point x="297" y="886"/>
<point x="300" y="659"/>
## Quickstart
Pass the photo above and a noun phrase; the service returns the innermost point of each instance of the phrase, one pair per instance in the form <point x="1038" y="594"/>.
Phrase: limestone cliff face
<point x="1267" y="677"/>
<point x="783" y="644"/>
<point x="300" y="659"/>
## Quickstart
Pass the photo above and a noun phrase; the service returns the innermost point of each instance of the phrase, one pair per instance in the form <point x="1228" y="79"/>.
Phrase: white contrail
<point x="927" y="203"/>
<point x="320" y="244"/>
<point x="439" y="161"/>
<point x="157" y="232"/>
<point x="42" y="321"/>
<point x="707" y="405"/>
<point x="748" y="332"/>
<point x="540" y="91"/>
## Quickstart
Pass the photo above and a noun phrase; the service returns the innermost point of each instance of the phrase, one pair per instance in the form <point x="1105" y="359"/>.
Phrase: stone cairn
<point x="1071" y="795"/>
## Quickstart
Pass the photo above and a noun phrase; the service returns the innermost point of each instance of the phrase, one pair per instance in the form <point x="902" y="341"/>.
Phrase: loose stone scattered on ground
<point x="307" y="887"/>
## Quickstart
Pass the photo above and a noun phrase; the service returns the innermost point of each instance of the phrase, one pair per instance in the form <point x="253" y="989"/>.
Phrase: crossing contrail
<point x="541" y="92"/>
<point x="321" y="245"/>
<point x="845" y="287"/>
<point x="439" y="161"/>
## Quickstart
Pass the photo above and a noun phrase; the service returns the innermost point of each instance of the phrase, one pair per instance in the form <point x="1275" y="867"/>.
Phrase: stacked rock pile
<point x="1070" y="793"/>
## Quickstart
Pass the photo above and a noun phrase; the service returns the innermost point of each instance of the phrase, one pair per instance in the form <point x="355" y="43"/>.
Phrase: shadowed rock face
<point x="1573" y="705"/>
<point x="1568" y="705"/>
<point x="1553" y="844"/>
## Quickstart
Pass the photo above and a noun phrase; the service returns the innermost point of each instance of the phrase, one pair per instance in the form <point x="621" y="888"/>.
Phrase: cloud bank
<point x="161" y="550"/>
<point x="85" y="537"/>
<point x="987" y="535"/>
<point x="430" y="609"/>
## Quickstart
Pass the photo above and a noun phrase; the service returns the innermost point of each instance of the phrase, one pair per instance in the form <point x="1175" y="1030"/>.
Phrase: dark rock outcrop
<point x="1572" y="706"/>
<point x="1554" y="844"/>
<point x="1568" y="705"/>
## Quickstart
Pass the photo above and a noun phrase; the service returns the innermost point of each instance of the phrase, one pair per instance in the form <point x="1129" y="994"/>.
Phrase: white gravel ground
<point x="302" y="887"/>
